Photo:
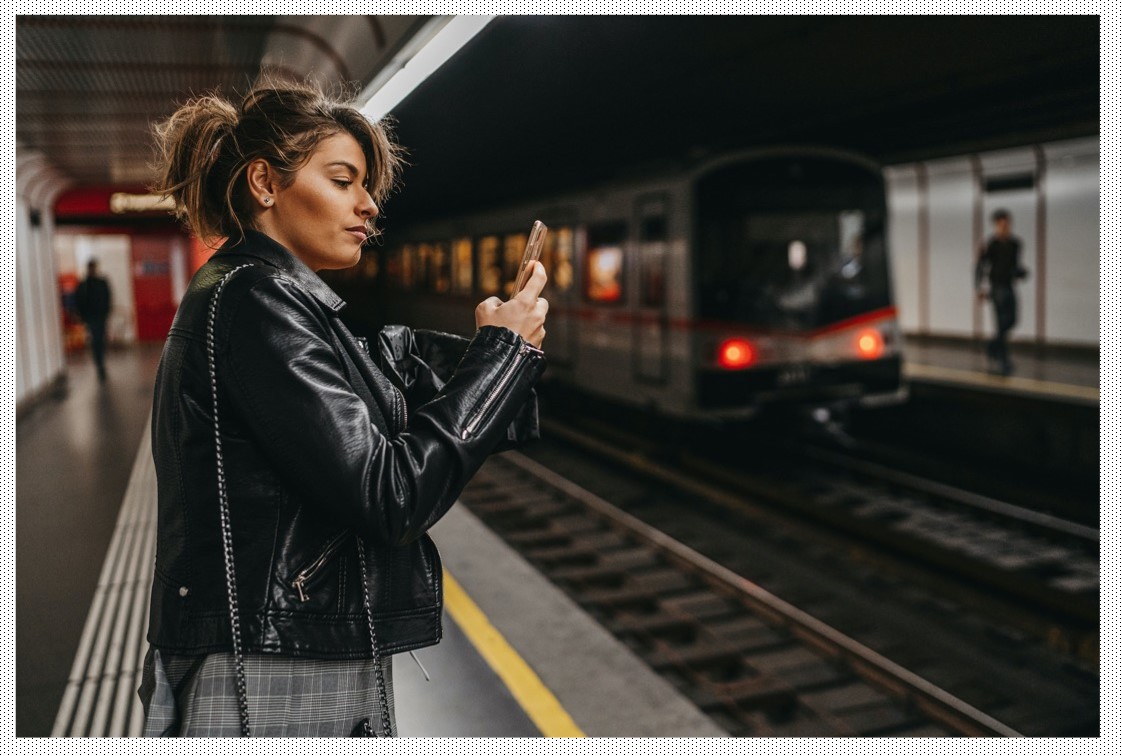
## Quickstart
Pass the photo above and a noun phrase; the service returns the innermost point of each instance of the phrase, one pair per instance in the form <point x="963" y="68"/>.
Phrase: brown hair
<point x="204" y="147"/>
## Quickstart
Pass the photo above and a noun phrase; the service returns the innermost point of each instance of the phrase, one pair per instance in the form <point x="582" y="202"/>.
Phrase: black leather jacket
<point x="321" y="442"/>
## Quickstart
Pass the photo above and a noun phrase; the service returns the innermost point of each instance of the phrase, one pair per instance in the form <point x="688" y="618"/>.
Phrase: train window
<point x="514" y="246"/>
<point x="558" y="257"/>
<point x="368" y="265"/>
<point x="408" y="266"/>
<point x="399" y="269"/>
<point x="652" y="228"/>
<point x="461" y="266"/>
<point x="424" y="267"/>
<point x="851" y="233"/>
<point x="603" y="278"/>
<point x="790" y="243"/>
<point x="434" y="267"/>
<point x="489" y="272"/>
<point x="652" y="261"/>
<point x="393" y="266"/>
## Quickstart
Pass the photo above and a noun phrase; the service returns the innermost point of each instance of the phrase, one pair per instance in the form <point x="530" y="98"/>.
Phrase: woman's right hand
<point x="524" y="313"/>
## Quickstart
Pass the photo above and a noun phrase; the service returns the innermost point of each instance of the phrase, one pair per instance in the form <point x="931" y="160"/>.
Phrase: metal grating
<point x="88" y="88"/>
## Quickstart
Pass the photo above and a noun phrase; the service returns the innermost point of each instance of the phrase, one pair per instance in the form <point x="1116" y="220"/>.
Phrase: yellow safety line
<point x="1031" y="385"/>
<point x="535" y="699"/>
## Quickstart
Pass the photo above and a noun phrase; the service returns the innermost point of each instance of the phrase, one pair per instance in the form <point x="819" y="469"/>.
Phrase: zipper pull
<point x="298" y="584"/>
<point x="423" y="672"/>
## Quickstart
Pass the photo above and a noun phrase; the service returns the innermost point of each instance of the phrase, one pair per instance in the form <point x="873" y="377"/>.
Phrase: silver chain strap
<point x="386" y="729"/>
<point x="224" y="513"/>
<point x="228" y="550"/>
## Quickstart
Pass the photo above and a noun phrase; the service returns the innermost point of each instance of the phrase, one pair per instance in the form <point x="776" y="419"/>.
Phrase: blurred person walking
<point x="999" y="261"/>
<point x="93" y="300"/>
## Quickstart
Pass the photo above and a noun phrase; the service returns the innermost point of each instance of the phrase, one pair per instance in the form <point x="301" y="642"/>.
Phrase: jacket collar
<point x="266" y="249"/>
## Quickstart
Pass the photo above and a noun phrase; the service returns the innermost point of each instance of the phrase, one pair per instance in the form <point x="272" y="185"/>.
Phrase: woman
<point x="297" y="475"/>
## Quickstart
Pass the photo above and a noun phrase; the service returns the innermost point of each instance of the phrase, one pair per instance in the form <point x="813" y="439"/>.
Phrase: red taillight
<point x="870" y="344"/>
<point x="735" y="353"/>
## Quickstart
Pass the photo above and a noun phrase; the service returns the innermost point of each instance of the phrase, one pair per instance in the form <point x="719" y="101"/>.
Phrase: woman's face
<point x="323" y="216"/>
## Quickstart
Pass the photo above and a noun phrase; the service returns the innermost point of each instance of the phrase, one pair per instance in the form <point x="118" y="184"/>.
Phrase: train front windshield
<point x="792" y="243"/>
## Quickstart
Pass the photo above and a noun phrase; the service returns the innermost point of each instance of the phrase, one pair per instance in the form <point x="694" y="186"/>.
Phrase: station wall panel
<point x="950" y="189"/>
<point x="903" y="241"/>
<point x="1072" y="241"/>
<point x="39" y="347"/>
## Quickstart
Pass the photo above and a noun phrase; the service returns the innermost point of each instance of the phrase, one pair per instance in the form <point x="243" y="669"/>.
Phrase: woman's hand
<point x="524" y="313"/>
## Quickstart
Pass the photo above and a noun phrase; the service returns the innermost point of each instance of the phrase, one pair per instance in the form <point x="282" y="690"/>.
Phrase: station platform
<point x="1068" y="375"/>
<point x="518" y="657"/>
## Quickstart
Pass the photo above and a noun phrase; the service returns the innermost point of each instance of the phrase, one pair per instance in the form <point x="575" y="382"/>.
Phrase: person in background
<point x="93" y="300"/>
<point x="999" y="259"/>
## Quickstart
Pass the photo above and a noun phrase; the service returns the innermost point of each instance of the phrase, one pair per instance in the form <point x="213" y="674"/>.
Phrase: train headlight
<point x="735" y="353"/>
<point x="870" y="344"/>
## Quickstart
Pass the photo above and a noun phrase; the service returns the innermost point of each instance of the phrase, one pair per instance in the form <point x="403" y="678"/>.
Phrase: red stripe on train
<point x="624" y="317"/>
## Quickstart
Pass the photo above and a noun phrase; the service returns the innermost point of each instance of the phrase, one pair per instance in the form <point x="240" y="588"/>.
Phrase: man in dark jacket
<point x="94" y="300"/>
<point x="1001" y="258"/>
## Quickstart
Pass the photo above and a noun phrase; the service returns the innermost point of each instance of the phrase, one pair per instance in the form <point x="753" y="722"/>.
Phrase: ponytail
<point x="191" y="144"/>
<point x="204" y="147"/>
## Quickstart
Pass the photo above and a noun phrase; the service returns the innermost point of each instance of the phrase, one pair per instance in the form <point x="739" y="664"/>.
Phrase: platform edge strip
<point x="539" y="703"/>
<point x="1012" y="383"/>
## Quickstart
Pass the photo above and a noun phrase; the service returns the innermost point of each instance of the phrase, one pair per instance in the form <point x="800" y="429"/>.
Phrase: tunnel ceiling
<point x="536" y="105"/>
<point x="88" y="87"/>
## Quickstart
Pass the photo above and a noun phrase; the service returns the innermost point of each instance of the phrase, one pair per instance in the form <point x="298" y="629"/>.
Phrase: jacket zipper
<point x="306" y="574"/>
<point x="365" y="344"/>
<point x="493" y="394"/>
<point x="404" y="407"/>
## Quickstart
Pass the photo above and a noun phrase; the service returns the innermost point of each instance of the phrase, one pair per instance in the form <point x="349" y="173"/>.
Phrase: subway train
<point x="757" y="278"/>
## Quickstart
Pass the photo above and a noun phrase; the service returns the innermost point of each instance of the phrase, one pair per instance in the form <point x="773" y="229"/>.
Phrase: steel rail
<point x="868" y="664"/>
<point x="957" y="495"/>
<point x="733" y="500"/>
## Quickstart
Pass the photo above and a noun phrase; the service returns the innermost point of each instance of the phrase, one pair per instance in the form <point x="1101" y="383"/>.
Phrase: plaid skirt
<point x="196" y="695"/>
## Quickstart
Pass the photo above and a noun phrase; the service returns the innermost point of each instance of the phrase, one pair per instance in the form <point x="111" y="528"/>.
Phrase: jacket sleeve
<point x="420" y="362"/>
<point x="981" y="265"/>
<point x="285" y="379"/>
<point x="80" y="300"/>
<point x="1019" y="269"/>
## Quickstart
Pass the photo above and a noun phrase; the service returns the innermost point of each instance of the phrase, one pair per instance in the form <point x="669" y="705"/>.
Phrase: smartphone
<point x="530" y="256"/>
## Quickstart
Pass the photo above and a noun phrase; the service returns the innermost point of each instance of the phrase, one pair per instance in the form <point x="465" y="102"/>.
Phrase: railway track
<point x="1044" y="568"/>
<point x="755" y="663"/>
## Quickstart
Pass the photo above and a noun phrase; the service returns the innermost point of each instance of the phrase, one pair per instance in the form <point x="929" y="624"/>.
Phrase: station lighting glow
<point x="429" y="50"/>
<point x="870" y="344"/>
<point x="735" y="353"/>
<point x="796" y="255"/>
<point x="121" y="202"/>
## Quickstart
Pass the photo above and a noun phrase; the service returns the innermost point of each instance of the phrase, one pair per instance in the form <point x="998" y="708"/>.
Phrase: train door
<point x="649" y="332"/>
<point x="156" y="283"/>
<point x="560" y="259"/>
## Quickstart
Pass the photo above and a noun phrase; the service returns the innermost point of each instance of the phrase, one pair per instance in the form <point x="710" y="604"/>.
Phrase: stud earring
<point x="267" y="200"/>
